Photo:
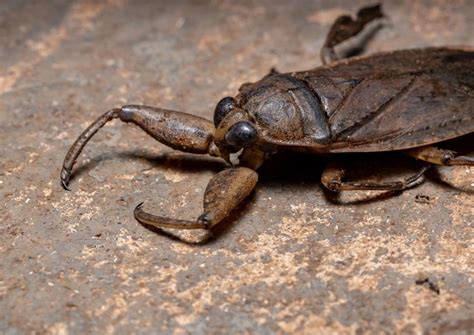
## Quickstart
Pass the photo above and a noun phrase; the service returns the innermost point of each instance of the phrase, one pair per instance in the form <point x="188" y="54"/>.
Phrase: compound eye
<point x="222" y="109"/>
<point x="241" y="134"/>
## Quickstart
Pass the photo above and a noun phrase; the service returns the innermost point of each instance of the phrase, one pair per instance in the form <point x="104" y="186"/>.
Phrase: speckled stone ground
<point x="292" y="260"/>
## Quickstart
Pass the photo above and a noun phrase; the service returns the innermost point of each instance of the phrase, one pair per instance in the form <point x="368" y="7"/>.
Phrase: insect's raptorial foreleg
<point x="178" y="130"/>
<point x="346" y="27"/>
<point x="225" y="191"/>
<point x="334" y="173"/>
<point x="440" y="156"/>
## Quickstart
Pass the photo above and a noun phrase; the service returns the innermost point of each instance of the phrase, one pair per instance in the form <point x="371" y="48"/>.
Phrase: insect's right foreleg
<point x="178" y="130"/>
<point x="223" y="194"/>
<point x="346" y="27"/>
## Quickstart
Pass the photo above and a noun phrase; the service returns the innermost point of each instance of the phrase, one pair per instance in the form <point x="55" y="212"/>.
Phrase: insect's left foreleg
<point x="346" y="27"/>
<point x="334" y="173"/>
<point x="178" y="130"/>
<point x="225" y="192"/>
<point x="440" y="156"/>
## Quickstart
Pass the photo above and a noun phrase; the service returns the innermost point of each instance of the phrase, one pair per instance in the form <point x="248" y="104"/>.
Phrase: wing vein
<point x="344" y="101"/>
<point x="379" y="111"/>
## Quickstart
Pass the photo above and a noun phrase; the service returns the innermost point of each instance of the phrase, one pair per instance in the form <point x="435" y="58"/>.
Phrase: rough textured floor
<point x="292" y="260"/>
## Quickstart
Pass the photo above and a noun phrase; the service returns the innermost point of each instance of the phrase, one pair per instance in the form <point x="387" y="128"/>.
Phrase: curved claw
<point x="75" y="150"/>
<point x="164" y="222"/>
<point x="65" y="176"/>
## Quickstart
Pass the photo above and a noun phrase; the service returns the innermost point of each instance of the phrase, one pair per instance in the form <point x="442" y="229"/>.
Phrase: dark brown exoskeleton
<point x="403" y="100"/>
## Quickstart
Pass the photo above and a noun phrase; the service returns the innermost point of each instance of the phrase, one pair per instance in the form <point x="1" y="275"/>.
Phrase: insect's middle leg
<point x="334" y="173"/>
<point x="440" y="156"/>
<point x="346" y="27"/>
<point x="223" y="193"/>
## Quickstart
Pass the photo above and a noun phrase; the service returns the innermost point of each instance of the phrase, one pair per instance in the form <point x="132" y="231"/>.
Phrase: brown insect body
<point x="402" y="100"/>
<point x="391" y="101"/>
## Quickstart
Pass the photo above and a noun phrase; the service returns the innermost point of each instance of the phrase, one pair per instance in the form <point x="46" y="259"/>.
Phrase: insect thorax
<point x="285" y="109"/>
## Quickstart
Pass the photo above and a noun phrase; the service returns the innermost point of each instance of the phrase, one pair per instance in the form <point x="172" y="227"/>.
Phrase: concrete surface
<point x="293" y="260"/>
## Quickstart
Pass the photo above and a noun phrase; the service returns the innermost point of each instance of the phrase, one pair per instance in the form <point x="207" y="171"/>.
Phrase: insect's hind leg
<point x="334" y="173"/>
<point x="344" y="28"/>
<point x="440" y="156"/>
